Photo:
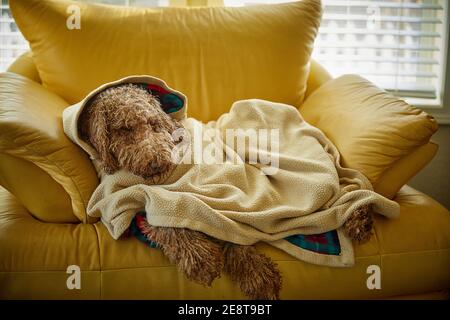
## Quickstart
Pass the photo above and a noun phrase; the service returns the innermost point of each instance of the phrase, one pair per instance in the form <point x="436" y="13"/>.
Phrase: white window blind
<point x="12" y="43"/>
<point x="397" y="44"/>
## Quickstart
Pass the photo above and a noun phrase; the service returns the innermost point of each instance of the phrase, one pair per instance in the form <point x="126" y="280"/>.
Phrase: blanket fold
<point x="294" y="185"/>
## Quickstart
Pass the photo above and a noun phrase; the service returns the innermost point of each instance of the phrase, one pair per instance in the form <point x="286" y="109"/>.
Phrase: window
<point x="397" y="44"/>
<point x="12" y="44"/>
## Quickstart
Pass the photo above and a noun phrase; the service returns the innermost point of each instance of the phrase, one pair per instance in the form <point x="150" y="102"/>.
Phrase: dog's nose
<point x="154" y="166"/>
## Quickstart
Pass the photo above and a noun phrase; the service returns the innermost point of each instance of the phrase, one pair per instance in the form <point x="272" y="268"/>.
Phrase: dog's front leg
<point x="257" y="274"/>
<point x="199" y="258"/>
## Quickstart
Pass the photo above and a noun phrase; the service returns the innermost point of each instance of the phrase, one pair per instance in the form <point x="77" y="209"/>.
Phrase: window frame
<point x="440" y="107"/>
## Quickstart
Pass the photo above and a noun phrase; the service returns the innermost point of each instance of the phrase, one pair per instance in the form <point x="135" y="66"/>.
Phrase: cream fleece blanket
<point x="301" y="190"/>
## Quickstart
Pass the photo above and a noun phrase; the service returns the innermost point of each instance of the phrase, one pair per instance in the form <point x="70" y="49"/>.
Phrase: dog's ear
<point x="99" y="138"/>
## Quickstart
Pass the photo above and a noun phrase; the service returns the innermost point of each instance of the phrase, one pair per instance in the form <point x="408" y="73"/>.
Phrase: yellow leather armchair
<point x="413" y="252"/>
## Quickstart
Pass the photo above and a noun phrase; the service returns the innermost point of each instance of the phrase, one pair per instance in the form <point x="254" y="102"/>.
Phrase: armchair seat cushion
<point x="413" y="253"/>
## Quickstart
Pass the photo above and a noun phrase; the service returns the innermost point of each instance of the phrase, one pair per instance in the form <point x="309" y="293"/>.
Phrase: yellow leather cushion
<point x="25" y="66"/>
<point x="31" y="130"/>
<point x="214" y="55"/>
<point x="42" y="196"/>
<point x="404" y="169"/>
<point x="374" y="131"/>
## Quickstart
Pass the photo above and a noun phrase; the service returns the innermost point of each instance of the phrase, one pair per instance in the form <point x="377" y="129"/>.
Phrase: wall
<point x="434" y="179"/>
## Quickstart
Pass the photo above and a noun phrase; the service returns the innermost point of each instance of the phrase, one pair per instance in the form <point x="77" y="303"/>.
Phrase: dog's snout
<point x="154" y="166"/>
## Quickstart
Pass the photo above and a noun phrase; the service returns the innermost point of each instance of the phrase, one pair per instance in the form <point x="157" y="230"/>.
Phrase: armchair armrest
<point x="31" y="130"/>
<point x="375" y="132"/>
<point x="318" y="76"/>
<point x="24" y="65"/>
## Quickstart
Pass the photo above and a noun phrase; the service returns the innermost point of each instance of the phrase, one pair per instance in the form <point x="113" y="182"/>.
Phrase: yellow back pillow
<point x="214" y="55"/>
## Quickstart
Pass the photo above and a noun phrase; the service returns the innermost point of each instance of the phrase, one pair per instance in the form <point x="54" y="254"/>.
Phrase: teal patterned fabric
<point x="170" y="102"/>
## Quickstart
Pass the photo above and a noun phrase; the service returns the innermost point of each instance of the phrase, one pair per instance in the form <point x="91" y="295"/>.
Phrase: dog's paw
<point x="195" y="254"/>
<point x="258" y="276"/>
<point x="202" y="261"/>
<point x="359" y="224"/>
<point x="199" y="257"/>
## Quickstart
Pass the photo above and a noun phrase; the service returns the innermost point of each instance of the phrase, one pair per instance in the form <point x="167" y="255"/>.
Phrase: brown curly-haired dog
<point x="128" y="128"/>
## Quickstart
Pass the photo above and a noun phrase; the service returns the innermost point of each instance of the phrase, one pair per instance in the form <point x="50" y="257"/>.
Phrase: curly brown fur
<point x="359" y="225"/>
<point x="129" y="129"/>
<point x="199" y="258"/>
<point x="258" y="276"/>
